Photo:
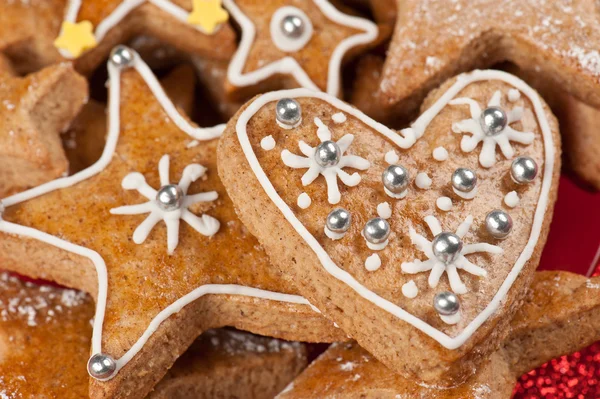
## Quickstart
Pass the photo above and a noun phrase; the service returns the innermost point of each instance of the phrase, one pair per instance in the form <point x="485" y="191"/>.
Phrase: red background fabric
<point x="574" y="245"/>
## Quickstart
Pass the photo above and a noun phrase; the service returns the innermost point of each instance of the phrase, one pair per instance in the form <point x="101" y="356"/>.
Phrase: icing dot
<point x="391" y="157"/>
<point x="454" y="319"/>
<point x="440" y="154"/>
<point x="304" y="201"/>
<point x="384" y="210"/>
<point x="267" y="143"/>
<point x="513" y="95"/>
<point x="410" y="289"/>
<point x="373" y="263"/>
<point x="192" y="144"/>
<point x="511" y="199"/>
<point x="339" y="117"/>
<point x="423" y="181"/>
<point x="444" y="203"/>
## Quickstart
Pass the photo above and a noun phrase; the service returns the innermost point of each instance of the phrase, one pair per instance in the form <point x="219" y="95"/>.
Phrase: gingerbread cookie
<point x="233" y="364"/>
<point x="419" y="244"/>
<point x="434" y="40"/>
<point x="85" y="139"/>
<point x="34" y="110"/>
<point x="126" y="230"/>
<point x="285" y="45"/>
<point x="26" y="32"/>
<point x="581" y="139"/>
<point x="45" y="332"/>
<point x="213" y="76"/>
<point x="561" y="315"/>
<point x="87" y="30"/>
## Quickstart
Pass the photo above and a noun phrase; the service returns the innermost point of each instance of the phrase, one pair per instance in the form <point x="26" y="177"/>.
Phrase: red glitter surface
<point x="575" y="226"/>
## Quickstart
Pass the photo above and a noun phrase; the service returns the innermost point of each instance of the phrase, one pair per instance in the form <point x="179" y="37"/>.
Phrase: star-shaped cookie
<point x="412" y="241"/>
<point x="34" y="110"/>
<point x="39" y="33"/>
<point x="560" y="316"/>
<point x="434" y="40"/>
<point x="144" y="255"/>
<point x="45" y="332"/>
<point x="284" y="45"/>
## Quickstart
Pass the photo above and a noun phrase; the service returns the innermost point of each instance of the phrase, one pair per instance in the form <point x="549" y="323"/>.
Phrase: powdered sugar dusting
<point x="34" y="304"/>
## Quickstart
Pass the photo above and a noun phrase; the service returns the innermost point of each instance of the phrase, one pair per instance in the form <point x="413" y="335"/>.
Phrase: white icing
<point x="267" y="143"/>
<point x="423" y="181"/>
<point x="339" y="117"/>
<point x="114" y="128"/>
<point x="205" y="225"/>
<point x="384" y="210"/>
<point x="410" y="289"/>
<point x="410" y="134"/>
<point x="512" y="199"/>
<point x="444" y="203"/>
<point x="392" y="157"/>
<point x="330" y="173"/>
<point x="288" y="127"/>
<point x="437" y="267"/>
<point x="487" y="156"/>
<point x="304" y="201"/>
<point x="373" y="263"/>
<point x="454" y="319"/>
<point x="513" y="95"/>
<point x="119" y="13"/>
<point x="377" y="247"/>
<point x="440" y="154"/>
<point x="283" y="42"/>
<point x="333" y="235"/>
<point x="394" y="195"/>
<point x="467" y="195"/>
<point x="288" y="65"/>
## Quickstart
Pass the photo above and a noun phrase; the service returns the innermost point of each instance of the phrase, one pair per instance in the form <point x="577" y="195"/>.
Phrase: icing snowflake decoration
<point x="492" y="127"/>
<point x="328" y="160"/>
<point x="170" y="203"/>
<point x="446" y="253"/>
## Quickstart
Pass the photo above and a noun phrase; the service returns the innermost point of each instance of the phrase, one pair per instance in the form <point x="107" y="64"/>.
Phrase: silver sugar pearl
<point x="498" y="223"/>
<point x="328" y="153"/>
<point x="493" y="120"/>
<point x="446" y="303"/>
<point x="339" y="220"/>
<point x="122" y="56"/>
<point x="169" y="197"/>
<point x="292" y="26"/>
<point x="523" y="170"/>
<point x="101" y="366"/>
<point x="447" y="247"/>
<point x="288" y="112"/>
<point x="464" y="180"/>
<point x="376" y="230"/>
<point x="395" y="179"/>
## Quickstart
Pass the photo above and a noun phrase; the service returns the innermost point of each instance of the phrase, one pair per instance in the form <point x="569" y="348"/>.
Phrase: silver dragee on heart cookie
<point x="422" y="259"/>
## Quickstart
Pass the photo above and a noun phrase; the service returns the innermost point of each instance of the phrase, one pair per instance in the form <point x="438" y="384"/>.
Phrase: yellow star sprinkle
<point x="208" y="14"/>
<point x="76" y="37"/>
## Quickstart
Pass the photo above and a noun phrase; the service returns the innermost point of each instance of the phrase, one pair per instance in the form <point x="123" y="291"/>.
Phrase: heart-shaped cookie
<point x="420" y="244"/>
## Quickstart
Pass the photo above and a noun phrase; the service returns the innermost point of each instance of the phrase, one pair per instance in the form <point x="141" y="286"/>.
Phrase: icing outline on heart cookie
<point x="97" y="260"/>
<point x="288" y="65"/>
<point x="415" y="131"/>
